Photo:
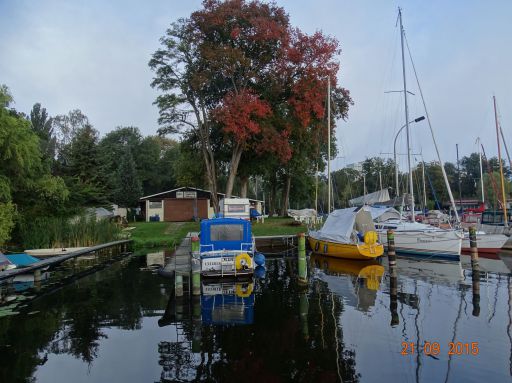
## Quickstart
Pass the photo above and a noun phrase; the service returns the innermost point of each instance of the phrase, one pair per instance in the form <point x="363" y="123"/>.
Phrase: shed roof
<point x="189" y="188"/>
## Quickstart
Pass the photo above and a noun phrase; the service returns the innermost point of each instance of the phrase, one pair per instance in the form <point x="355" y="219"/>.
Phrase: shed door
<point x="182" y="209"/>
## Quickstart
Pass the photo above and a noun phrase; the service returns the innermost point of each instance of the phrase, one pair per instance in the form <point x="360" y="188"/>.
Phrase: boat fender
<point x="325" y="248"/>
<point x="317" y="245"/>
<point x="259" y="259"/>
<point x="370" y="238"/>
<point x="259" y="272"/>
<point x="243" y="261"/>
<point x="243" y="290"/>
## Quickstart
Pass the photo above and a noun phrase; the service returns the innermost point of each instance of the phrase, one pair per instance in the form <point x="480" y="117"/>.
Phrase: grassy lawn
<point x="159" y="234"/>
<point x="277" y="226"/>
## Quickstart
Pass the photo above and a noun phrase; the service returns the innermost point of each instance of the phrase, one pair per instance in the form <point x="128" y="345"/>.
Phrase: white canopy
<point x="372" y="198"/>
<point x="342" y="225"/>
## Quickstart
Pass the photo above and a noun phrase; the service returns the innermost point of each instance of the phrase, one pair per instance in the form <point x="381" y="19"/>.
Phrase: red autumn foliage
<point x="241" y="114"/>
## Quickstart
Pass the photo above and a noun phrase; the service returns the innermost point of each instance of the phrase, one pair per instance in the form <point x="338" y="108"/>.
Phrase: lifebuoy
<point x="243" y="290"/>
<point x="243" y="261"/>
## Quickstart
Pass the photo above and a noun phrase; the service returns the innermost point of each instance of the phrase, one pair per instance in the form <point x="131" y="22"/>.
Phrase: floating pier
<point x="121" y="246"/>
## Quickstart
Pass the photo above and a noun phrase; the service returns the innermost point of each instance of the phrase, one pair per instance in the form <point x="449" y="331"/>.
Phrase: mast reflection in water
<point x="123" y="324"/>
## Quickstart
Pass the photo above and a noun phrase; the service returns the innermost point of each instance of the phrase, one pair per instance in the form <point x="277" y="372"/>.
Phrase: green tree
<point x="24" y="181"/>
<point x="80" y="166"/>
<point x="42" y="125"/>
<point x="128" y="190"/>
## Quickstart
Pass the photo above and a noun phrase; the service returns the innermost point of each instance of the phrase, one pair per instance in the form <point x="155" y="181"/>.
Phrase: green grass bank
<point x="168" y="234"/>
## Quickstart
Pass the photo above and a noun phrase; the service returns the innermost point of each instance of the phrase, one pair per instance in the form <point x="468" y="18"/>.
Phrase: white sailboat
<point x="412" y="237"/>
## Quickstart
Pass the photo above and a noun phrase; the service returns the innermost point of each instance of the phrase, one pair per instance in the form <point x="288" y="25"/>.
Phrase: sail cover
<point x="341" y="225"/>
<point x="377" y="197"/>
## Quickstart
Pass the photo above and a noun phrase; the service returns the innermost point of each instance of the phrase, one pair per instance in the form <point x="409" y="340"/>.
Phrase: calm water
<point x="122" y="324"/>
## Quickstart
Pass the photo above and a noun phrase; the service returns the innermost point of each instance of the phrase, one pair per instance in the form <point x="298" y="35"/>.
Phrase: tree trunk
<point x="244" y="182"/>
<point x="211" y="175"/>
<point x="233" y="168"/>
<point x="272" y="196"/>
<point x="286" y="194"/>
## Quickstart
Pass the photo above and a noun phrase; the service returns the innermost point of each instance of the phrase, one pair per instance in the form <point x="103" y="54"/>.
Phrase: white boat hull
<point x="490" y="243"/>
<point x="441" y="242"/>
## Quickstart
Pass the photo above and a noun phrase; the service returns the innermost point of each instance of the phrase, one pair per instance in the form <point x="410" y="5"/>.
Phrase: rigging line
<point x="452" y="201"/>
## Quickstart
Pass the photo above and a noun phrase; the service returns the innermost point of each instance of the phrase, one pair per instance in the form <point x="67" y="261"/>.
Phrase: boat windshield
<point x="227" y="232"/>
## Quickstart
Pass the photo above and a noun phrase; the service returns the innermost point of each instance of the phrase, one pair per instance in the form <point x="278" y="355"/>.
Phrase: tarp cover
<point x="4" y="261"/>
<point x="382" y="213"/>
<point x="370" y="199"/>
<point x="341" y="224"/>
<point x="22" y="259"/>
<point x="302" y="213"/>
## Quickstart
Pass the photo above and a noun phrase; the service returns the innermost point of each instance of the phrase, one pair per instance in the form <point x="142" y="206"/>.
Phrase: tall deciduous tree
<point x="237" y="69"/>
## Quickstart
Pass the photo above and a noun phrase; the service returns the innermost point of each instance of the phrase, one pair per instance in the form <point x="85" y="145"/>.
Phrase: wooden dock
<point x="120" y="245"/>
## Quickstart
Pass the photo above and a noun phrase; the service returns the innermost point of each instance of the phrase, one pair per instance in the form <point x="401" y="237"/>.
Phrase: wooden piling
<point x="475" y="269"/>
<point x="178" y="285"/>
<point x="195" y="266"/>
<point x="391" y="248"/>
<point x="303" y="268"/>
<point x="473" y="246"/>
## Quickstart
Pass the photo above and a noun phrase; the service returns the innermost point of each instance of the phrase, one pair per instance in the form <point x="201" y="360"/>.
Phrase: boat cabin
<point x="225" y="234"/>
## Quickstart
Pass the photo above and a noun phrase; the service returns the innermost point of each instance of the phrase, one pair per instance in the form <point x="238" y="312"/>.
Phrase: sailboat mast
<point x="424" y="188"/>
<point x="505" y="217"/>
<point x="411" y="190"/>
<point x="481" y="172"/>
<point x="328" y="145"/>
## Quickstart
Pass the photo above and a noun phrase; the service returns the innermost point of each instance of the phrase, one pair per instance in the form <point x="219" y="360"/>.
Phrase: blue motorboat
<point x="226" y="247"/>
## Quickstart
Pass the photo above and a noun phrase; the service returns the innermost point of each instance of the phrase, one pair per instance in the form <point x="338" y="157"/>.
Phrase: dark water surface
<point x="122" y="324"/>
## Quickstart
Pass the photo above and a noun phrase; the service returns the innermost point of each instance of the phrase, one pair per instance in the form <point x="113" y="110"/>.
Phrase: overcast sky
<point x="93" y="55"/>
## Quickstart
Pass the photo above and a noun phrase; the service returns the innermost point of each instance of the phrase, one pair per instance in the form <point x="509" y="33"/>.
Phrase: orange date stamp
<point x="434" y="348"/>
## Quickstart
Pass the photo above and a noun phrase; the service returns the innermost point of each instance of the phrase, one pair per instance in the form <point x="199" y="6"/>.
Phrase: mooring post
<point x="178" y="284"/>
<point x="195" y="266"/>
<point x="303" y="268"/>
<point x="475" y="269"/>
<point x="393" y="279"/>
<point x="391" y="249"/>
<point x="196" y="320"/>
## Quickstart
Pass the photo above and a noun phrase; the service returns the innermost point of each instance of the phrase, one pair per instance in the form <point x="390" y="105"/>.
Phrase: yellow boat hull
<point x="346" y="251"/>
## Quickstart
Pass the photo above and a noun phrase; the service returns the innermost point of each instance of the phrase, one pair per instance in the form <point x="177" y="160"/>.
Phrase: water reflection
<point x="357" y="282"/>
<point x="348" y="324"/>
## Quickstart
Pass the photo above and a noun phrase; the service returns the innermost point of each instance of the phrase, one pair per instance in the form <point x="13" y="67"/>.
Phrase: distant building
<point x="183" y="204"/>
